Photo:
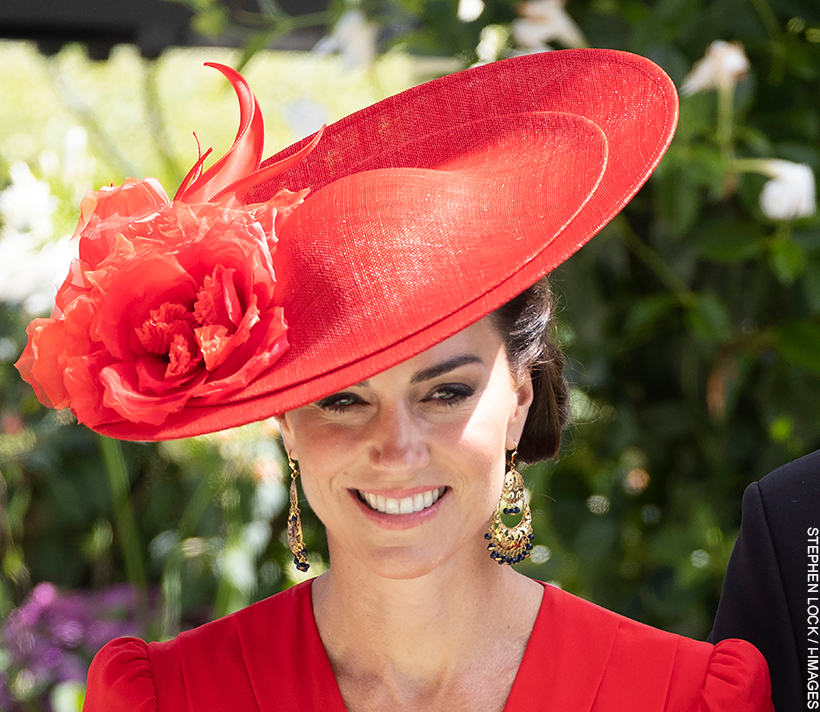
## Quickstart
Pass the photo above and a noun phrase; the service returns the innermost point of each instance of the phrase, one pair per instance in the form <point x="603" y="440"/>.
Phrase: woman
<point x="363" y="286"/>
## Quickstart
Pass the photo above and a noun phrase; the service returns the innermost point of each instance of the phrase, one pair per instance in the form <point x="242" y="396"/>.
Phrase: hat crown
<point x="381" y="254"/>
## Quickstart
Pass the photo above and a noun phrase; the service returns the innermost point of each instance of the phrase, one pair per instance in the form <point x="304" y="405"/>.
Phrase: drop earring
<point x="295" y="542"/>
<point x="509" y="545"/>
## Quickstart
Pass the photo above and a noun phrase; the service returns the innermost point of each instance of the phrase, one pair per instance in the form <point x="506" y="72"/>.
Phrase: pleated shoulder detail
<point x="737" y="678"/>
<point x="120" y="680"/>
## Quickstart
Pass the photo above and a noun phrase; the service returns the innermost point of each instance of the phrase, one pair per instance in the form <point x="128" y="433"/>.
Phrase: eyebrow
<point x="444" y="367"/>
<point x="437" y="370"/>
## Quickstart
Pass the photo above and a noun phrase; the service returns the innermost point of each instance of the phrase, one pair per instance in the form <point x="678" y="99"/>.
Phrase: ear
<point x="515" y="426"/>
<point x="287" y="435"/>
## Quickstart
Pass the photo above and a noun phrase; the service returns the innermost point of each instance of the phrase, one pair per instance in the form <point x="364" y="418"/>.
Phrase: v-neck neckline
<point x="305" y="678"/>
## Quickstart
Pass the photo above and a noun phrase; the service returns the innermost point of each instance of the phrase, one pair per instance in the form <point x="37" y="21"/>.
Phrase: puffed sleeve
<point x="120" y="680"/>
<point x="737" y="678"/>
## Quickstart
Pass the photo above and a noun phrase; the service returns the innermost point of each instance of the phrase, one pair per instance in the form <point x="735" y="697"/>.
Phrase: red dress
<point x="580" y="658"/>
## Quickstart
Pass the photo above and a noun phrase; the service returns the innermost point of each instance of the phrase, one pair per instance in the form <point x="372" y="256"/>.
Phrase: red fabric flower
<point x="169" y="301"/>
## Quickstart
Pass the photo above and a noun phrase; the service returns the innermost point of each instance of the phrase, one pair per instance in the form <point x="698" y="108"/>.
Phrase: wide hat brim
<point x="434" y="207"/>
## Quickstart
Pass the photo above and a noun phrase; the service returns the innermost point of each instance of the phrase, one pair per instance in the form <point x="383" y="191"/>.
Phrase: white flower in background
<point x="247" y="446"/>
<point x="721" y="67"/>
<point x="354" y="37"/>
<point x="27" y="204"/>
<point x="491" y="42"/>
<point x="790" y="194"/>
<point x="67" y="696"/>
<point x="73" y="168"/>
<point x="543" y="21"/>
<point x="305" y="116"/>
<point x="30" y="273"/>
<point x="48" y="162"/>
<point x="236" y="564"/>
<point x="469" y="10"/>
<point x="31" y="265"/>
<point x="76" y="164"/>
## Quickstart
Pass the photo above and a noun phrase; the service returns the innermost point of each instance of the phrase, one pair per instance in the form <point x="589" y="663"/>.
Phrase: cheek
<point x="482" y="454"/>
<point x="316" y="487"/>
<point x="310" y="437"/>
<point x="488" y="424"/>
<point x="311" y="492"/>
<point x="484" y="441"/>
<point x="326" y="458"/>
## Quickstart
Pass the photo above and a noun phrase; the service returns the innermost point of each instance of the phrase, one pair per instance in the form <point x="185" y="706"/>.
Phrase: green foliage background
<point x="692" y="324"/>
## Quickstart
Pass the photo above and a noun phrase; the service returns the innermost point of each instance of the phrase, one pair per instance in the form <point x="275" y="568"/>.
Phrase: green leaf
<point x="811" y="285"/>
<point x="727" y="240"/>
<point x="669" y="57"/>
<point x="211" y="22"/>
<point x="799" y="343"/>
<point x="697" y="115"/>
<point x="781" y="429"/>
<point x="756" y="140"/>
<point x="255" y="44"/>
<point x="708" y="318"/>
<point x="678" y="201"/>
<point x="807" y="237"/>
<point x="787" y="260"/>
<point x="706" y="167"/>
<point x="646" y="312"/>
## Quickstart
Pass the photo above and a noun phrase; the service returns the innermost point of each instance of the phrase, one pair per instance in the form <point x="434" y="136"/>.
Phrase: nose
<point x="398" y="442"/>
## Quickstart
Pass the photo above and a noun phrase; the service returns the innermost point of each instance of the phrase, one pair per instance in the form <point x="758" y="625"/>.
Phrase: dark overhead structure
<point x="151" y="25"/>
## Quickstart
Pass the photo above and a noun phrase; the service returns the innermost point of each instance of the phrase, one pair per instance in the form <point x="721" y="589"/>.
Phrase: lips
<point x="406" y="505"/>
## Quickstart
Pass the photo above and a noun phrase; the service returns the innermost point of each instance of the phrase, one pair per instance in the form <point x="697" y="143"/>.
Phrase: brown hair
<point x="525" y="325"/>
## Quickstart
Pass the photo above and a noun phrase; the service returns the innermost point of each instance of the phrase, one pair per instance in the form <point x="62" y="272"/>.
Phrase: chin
<point x="406" y="563"/>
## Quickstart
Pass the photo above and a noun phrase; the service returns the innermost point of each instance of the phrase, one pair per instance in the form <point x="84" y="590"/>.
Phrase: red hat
<point x="259" y="289"/>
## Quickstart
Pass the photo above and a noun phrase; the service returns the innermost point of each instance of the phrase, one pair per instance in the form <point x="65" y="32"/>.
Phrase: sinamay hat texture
<point x="260" y="289"/>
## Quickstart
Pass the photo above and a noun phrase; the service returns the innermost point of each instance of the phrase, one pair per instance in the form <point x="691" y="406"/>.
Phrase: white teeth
<point x="406" y="505"/>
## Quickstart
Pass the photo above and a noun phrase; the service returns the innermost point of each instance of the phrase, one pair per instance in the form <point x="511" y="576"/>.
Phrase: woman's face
<point x="406" y="468"/>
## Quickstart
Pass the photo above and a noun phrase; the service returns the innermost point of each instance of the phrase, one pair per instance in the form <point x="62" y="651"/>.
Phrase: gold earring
<point x="295" y="542"/>
<point x="509" y="545"/>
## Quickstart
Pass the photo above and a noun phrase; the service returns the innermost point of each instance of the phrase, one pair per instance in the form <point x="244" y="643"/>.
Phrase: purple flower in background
<point x="52" y="637"/>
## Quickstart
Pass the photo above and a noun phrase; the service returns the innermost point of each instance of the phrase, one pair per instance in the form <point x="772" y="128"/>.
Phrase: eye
<point x="340" y="402"/>
<point x="450" y="394"/>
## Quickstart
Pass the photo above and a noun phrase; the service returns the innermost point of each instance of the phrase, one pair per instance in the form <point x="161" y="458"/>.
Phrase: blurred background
<point x="692" y="323"/>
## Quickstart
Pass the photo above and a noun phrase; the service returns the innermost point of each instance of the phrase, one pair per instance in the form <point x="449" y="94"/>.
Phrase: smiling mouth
<point x="407" y="505"/>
